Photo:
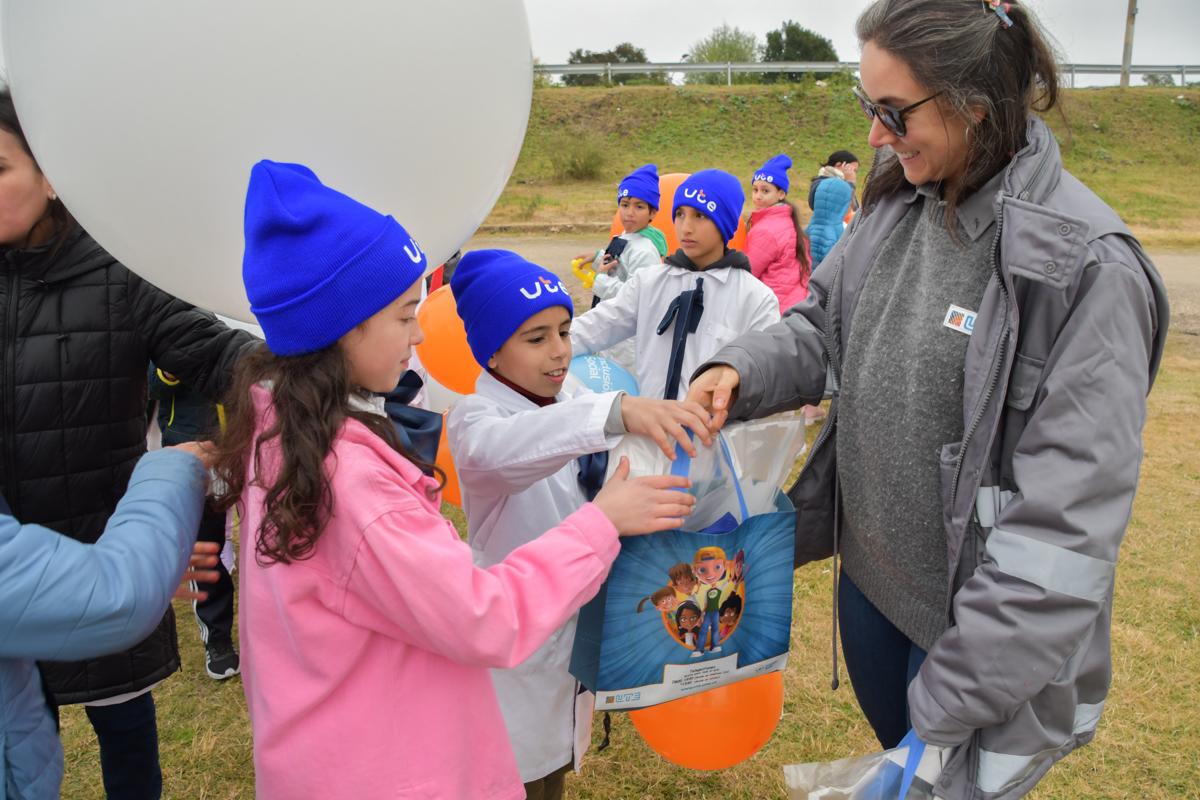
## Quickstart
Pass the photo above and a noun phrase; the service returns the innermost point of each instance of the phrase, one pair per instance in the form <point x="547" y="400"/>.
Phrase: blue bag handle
<point x="682" y="465"/>
<point x="916" y="749"/>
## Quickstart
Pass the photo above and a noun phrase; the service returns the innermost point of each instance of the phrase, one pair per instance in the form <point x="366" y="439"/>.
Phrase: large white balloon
<point x="147" y="115"/>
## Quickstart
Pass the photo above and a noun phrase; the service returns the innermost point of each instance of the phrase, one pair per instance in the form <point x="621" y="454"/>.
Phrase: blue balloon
<point x="601" y="375"/>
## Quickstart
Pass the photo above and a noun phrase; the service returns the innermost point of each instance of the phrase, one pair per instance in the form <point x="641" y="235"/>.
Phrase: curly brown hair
<point x="311" y="399"/>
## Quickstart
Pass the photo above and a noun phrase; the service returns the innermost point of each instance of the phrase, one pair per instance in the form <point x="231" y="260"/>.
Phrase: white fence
<point x="607" y="71"/>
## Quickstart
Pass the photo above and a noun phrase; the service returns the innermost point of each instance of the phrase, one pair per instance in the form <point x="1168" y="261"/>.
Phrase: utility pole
<point x="1128" y="55"/>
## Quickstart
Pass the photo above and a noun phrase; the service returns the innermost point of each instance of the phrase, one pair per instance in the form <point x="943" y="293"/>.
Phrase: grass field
<point x="1138" y="149"/>
<point x="1147" y="745"/>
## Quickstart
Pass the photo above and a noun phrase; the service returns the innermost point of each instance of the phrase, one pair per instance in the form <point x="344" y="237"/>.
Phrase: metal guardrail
<point x="683" y="67"/>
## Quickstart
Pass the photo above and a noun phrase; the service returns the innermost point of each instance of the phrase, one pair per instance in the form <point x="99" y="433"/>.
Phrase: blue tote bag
<point x="687" y="610"/>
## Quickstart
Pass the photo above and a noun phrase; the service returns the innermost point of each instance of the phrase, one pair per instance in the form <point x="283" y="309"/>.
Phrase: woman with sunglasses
<point x="991" y="329"/>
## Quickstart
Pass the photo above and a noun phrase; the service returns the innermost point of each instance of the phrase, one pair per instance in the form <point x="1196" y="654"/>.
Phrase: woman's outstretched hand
<point x="667" y="422"/>
<point x="715" y="390"/>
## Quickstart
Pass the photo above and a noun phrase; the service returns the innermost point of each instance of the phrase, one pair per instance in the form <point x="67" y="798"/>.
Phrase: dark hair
<point x="56" y="212"/>
<point x="311" y="400"/>
<point x="960" y="49"/>
<point x="687" y="605"/>
<point x="801" y="240"/>
<point x="734" y="601"/>
<point x="840" y="157"/>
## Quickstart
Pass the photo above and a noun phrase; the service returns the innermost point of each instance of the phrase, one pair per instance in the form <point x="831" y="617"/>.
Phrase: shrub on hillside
<point x="1158" y="79"/>
<point x="576" y="155"/>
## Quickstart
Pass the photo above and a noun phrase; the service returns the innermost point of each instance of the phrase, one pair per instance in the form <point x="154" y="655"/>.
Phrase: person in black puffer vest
<point x="77" y="330"/>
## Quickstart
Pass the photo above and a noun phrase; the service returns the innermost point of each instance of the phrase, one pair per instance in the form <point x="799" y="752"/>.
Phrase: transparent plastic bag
<point x="875" y="776"/>
<point x="763" y="454"/>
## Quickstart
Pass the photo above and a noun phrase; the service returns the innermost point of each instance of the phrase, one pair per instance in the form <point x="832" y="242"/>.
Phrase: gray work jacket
<point x="1037" y="495"/>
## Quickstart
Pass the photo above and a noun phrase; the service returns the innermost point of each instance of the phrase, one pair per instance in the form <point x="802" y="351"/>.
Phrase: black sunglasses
<point x="892" y="118"/>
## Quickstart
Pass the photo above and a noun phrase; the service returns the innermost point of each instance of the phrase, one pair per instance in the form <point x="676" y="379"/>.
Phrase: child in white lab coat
<point x="645" y="245"/>
<point x="517" y="444"/>
<point x="706" y="210"/>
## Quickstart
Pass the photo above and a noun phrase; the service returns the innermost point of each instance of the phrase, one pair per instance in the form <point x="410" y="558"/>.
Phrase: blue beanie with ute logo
<point x="717" y="195"/>
<point x="495" y="291"/>
<point x="317" y="263"/>
<point x="774" y="171"/>
<point x="642" y="183"/>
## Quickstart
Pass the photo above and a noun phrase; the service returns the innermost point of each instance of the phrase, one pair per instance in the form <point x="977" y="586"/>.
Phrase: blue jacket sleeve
<point x="61" y="600"/>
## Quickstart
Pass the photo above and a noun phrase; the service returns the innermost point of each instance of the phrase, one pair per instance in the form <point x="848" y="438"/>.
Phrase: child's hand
<point x="665" y="421"/>
<point x="715" y="390"/>
<point x="204" y="554"/>
<point x="607" y="264"/>
<point x="205" y="451"/>
<point x="587" y="256"/>
<point x="644" y="505"/>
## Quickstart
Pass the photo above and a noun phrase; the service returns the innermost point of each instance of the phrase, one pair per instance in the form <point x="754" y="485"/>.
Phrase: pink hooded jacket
<point x="771" y="248"/>
<point x="365" y="666"/>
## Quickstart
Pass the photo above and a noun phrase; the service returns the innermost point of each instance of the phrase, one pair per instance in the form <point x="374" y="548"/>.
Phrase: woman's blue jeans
<point x="881" y="661"/>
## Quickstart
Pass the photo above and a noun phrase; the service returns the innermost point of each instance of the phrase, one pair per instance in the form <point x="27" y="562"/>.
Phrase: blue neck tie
<point x="419" y="430"/>
<point x="685" y="311"/>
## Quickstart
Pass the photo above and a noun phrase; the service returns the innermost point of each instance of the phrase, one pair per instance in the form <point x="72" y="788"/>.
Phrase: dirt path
<point x="1180" y="269"/>
<point x="1181" y="272"/>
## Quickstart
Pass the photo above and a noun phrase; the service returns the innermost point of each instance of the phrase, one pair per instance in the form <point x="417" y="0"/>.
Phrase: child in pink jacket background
<point x="775" y="240"/>
<point x="777" y="245"/>
<point x="366" y="629"/>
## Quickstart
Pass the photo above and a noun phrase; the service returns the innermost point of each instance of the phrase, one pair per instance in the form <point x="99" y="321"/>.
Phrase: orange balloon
<point x="445" y="352"/>
<point x="663" y="220"/>
<point x="714" y="729"/>
<point x="451" y="492"/>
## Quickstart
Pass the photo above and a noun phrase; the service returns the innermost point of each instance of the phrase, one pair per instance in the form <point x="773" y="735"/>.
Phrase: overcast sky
<point x="1088" y="31"/>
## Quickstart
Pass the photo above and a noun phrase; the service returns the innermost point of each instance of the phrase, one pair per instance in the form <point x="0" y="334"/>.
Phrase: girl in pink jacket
<point x="775" y="240"/>
<point x="366" y="630"/>
<point x="777" y="246"/>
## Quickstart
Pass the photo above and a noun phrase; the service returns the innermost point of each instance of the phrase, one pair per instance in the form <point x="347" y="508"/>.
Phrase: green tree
<point x="624" y="53"/>
<point x="794" y="42"/>
<point x="1158" y="79"/>
<point x="724" y="45"/>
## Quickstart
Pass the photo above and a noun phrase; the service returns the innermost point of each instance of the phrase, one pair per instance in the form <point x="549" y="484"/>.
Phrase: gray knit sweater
<point x="901" y="403"/>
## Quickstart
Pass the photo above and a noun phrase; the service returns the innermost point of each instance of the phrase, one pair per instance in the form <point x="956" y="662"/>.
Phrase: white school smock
<point x="638" y="254"/>
<point x="735" y="302"/>
<point x="517" y="471"/>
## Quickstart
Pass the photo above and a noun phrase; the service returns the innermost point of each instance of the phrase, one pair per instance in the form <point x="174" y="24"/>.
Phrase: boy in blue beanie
<point x="645" y="245"/>
<point x="706" y="209"/>
<point x="521" y="446"/>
